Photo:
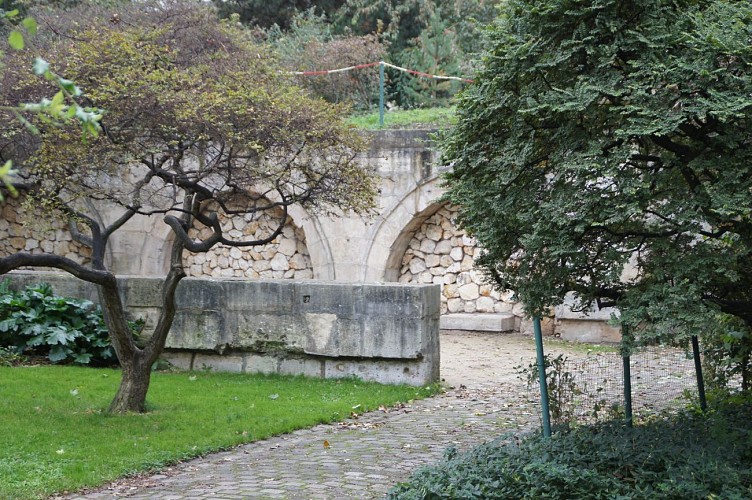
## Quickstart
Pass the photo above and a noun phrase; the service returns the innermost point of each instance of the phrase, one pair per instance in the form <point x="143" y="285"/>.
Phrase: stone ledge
<point x="478" y="322"/>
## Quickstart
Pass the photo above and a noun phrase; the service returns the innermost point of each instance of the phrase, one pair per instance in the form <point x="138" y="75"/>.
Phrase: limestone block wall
<point x="21" y="231"/>
<point x="441" y="253"/>
<point x="286" y="257"/>
<point x="380" y="332"/>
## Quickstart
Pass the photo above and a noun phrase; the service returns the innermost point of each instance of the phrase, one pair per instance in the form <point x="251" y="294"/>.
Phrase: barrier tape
<point x="370" y="65"/>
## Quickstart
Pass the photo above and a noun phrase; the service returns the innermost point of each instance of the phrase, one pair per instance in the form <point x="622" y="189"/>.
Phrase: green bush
<point x="37" y="322"/>
<point x="688" y="456"/>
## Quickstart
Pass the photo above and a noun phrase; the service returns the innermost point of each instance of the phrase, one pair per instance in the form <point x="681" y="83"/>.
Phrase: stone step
<point x="478" y="322"/>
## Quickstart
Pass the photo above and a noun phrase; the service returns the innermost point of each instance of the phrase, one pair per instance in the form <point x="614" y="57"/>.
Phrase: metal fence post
<point x="698" y="371"/>
<point x="381" y="94"/>
<point x="545" y="411"/>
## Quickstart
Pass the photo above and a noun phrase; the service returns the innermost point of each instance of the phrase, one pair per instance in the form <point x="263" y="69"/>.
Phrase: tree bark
<point x="136" y="362"/>
<point x="134" y="384"/>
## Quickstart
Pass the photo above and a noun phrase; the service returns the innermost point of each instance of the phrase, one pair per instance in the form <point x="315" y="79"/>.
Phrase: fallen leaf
<point x="273" y="396"/>
<point x="326" y="443"/>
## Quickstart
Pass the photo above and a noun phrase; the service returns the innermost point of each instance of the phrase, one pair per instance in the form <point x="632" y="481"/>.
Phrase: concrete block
<point x="265" y="332"/>
<point x="301" y="366"/>
<point x="141" y="292"/>
<point x="384" y="371"/>
<point x="232" y="363"/>
<point x="199" y="294"/>
<point x="275" y="323"/>
<point x="179" y="359"/>
<point x="587" y="331"/>
<point x="62" y="284"/>
<point x="257" y="296"/>
<point x="197" y="331"/>
<point x="261" y="364"/>
<point x="497" y="322"/>
<point x="326" y="298"/>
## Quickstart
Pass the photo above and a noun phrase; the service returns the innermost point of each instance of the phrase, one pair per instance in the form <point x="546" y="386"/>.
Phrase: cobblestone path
<point x="364" y="457"/>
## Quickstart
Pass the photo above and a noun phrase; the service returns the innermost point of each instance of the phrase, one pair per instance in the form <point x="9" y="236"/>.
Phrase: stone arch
<point x="392" y="232"/>
<point x="438" y="252"/>
<point x="309" y="258"/>
<point x="395" y="249"/>
<point x="402" y="242"/>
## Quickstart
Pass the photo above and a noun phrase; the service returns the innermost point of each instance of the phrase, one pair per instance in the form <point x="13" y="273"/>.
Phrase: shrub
<point x="687" y="456"/>
<point x="8" y="357"/>
<point x="37" y="322"/>
<point x="310" y="45"/>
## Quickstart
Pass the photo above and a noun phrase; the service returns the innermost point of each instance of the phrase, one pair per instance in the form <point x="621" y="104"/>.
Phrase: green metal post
<point x="381" y="94"/>
<point x="627" y="390"/>
<point x="698" y="370"/>
<point x="545" y="411"/>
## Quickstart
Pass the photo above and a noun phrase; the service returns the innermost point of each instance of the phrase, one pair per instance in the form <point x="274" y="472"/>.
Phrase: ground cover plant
<point x="686" y="456"/>
<point x="57" y="435"/>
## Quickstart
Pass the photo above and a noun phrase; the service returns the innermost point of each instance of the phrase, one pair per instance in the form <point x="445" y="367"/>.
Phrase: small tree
<point x="610" y="135"/>
<point x="197" y="118"/>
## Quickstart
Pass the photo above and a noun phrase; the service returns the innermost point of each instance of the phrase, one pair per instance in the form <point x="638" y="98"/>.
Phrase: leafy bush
<point x="687" y="456"/>
<point x="37" y="322"/>
<point x="311" y="45"/>
<point x="727" y="354"/>
<point x="8" y="357"/>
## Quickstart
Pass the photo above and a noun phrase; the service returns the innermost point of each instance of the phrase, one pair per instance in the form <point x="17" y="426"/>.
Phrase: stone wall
<point x="385" y="333"/>
<point x="441" y="253"/>
<point x="286" y="257"/>
<point x="21" y="231"/>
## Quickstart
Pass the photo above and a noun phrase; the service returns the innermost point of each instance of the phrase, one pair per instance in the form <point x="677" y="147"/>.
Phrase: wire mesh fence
<point x="590" y="387"/>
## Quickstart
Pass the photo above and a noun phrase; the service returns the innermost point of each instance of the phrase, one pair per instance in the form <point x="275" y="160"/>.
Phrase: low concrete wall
<point x="380" y="332"/>
<point x="586" y="326"/>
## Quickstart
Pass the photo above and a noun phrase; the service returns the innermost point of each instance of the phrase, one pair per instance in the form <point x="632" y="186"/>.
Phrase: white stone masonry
<point x="440" y="253"/>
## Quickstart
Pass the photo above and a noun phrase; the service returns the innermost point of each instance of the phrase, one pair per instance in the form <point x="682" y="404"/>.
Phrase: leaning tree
<point x="605" y="150"/>
<point x="196" y="117"/>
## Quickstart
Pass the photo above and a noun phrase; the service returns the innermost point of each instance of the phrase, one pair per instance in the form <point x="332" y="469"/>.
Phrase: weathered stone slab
<point x="498" y="322"/>
<point x="387" y="333"/>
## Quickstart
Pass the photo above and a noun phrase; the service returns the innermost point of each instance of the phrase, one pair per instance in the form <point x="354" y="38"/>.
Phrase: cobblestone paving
<point x="361" y="458"/>
<point x="364" y="457"/>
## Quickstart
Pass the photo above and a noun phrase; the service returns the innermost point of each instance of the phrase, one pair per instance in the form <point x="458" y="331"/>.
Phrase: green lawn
<point x="56" y="436"/>
<point x="406" y="118"/>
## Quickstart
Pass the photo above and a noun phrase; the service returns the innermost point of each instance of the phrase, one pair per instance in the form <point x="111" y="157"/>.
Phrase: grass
<point x="56" y="436"/>
<point x="406" y="118"/>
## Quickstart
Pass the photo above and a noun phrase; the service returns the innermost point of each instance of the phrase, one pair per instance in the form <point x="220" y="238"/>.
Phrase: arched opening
<point x="286" y="257"/>
<point x="433" y="250"/>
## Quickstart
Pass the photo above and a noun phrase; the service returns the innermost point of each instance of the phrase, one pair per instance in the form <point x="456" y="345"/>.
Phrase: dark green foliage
<point x="425" y="35"/>
<point x="727" y="356"/>
<point x="37" y="322"/>
<point x="266" y="13"/>
<point x="606" y="134"/>
<point x="688" y="456"/>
